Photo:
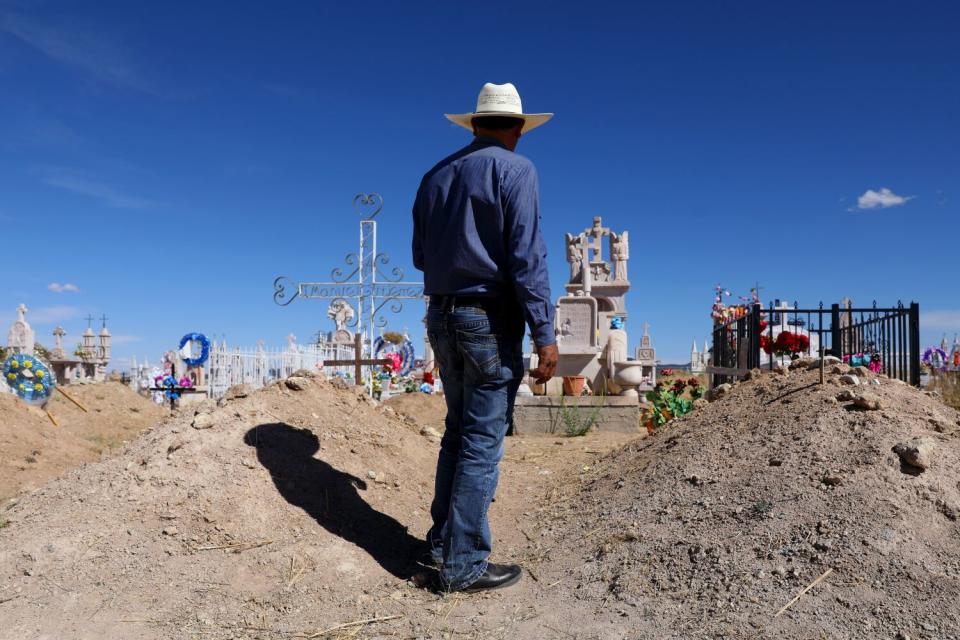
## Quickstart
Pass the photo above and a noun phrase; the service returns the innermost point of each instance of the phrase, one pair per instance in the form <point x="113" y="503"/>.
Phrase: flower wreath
<point x="204" y="348"/>
<point x="29" y="378"/>
<point x="406" y="351"/>
<point x="935" y="357"/>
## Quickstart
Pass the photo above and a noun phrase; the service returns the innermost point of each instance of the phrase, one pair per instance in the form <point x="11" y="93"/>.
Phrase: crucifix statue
<point x="596" y="234"/>
<point x="599" y="269"/>
<point x="21" y="311"/>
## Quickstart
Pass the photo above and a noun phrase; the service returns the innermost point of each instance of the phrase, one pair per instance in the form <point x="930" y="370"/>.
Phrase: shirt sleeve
<point x="417" y="237"/>
<point x="526" y="252"/>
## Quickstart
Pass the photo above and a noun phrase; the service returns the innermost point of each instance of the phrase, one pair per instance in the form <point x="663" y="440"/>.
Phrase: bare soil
<point x="422" y="409"/>
<point x="710" y="527"/>
<point x="34" y="450"/>
<point x="299" y="514"/>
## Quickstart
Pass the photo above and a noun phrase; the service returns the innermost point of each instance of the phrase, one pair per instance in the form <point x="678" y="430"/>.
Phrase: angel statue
<point x="342" y="313"/>
<point x="574" y="254"/>
<point x="619" y="253"/>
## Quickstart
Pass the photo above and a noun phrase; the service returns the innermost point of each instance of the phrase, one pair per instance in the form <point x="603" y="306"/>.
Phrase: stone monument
<point x="594" y="300"/>
<point x="647" y="357"/>
<point x="592" y="342"/>
<point x="88" y="363"/>
<point x="341" y="312"/>
<point x="21" y="338"/>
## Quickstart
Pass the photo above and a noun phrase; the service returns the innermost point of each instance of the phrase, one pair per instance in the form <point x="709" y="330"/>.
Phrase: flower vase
<point x="573" y="385"/>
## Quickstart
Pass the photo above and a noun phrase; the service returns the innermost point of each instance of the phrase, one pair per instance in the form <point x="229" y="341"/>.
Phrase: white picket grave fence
<point x="260" y="366"/>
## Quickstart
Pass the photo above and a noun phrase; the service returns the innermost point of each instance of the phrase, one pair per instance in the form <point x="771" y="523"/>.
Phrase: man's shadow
<point x="331" y="497"/>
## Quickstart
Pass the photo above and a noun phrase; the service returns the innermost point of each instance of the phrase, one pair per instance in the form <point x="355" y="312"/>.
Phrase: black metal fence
<point x="886" y="340"/>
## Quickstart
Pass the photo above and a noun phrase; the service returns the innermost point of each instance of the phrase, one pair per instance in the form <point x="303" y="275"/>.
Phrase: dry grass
<point x="947" y="384"/>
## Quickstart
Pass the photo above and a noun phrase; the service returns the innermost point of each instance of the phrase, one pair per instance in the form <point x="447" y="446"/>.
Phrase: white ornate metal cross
<point x="367" y="284"/>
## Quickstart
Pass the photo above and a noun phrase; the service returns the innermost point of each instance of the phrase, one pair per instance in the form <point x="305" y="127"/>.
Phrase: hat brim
<point x="530" y="120"/>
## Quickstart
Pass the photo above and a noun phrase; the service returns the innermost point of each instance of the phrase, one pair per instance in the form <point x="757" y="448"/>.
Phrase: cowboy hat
<point x="499" y="100"/>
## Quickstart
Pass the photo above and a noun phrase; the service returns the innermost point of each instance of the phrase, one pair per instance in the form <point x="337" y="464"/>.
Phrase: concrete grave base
<point x="544" y="414"/>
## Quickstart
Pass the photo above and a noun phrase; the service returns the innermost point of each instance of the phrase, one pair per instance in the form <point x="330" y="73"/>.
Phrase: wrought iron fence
<point x="257" y="367"/>
<point x="886" y="339"/>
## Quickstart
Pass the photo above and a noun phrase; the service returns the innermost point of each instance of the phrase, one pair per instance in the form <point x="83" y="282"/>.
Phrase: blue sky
<point x="171" y="159"/>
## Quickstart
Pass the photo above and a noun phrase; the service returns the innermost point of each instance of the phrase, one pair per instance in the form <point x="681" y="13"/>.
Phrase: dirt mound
<point x="712" y="525"/>
<point x="294" y="511"/>
<point x="213" y="521"/>
<point x="297" y="510"/>
<point x="426" y="410"/>
<point x="34" y="450"/>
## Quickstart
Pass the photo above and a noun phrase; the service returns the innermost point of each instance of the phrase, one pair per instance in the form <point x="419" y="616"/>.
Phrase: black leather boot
<point x="497" y="576"/>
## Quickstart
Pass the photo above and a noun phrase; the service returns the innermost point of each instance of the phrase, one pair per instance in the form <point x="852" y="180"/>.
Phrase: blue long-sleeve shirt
<point x="476" y="231"/>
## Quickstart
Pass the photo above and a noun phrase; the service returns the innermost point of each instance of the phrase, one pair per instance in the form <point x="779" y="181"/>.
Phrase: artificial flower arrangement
<point x="669" y="403"/>
<point x="28" y="377"/>
<point x="871" y="361"/>
<point x="723" y="314"/>
<point x="786" y="343"/>
<point x="935" y="358"/>
<point x="171" y="386"/>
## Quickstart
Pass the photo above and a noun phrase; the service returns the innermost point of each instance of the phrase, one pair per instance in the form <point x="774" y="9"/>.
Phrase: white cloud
<point x="882" y="199"/>
<point x="940" y="319"/>
<point x="67" y="287"/>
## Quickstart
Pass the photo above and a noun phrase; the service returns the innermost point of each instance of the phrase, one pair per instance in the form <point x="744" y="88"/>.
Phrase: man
<point x="477" y="240"/>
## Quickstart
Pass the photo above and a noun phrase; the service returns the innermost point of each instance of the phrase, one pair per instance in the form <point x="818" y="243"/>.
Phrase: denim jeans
<point x="479" y="351"/>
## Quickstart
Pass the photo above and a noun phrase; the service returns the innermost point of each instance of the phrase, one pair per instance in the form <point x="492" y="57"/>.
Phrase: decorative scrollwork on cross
<point x="336" y="274"/>
<point x="368" y="204"/>
<point x="280" y="290"/>
<point x="396" y="273"/>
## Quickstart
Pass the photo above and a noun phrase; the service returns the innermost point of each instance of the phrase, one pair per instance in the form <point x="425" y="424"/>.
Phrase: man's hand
<point x="546" y="363"/>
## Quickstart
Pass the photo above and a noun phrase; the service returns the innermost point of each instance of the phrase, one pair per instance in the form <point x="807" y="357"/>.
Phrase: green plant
<point x="576" y="420"/>
<point x="761" y="508"/>
<point x="4" y="523"/>
<point x="667" y="404"/>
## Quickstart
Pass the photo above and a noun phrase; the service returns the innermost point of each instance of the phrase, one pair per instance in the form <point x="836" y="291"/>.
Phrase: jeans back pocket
<point x="481" y="354"/>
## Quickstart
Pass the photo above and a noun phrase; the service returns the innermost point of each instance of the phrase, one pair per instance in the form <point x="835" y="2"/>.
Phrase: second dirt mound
<point x="273" y="511"/>
<point x="34" y="450"/>
<point x="710" y="527"/>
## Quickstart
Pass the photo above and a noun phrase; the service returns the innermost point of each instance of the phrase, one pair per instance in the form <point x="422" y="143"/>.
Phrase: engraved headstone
<point x="577" y="322"/>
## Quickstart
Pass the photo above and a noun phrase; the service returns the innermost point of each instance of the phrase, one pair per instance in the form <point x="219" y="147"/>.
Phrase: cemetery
<point x="409" y="321"/>
<point x="798" y="478"/>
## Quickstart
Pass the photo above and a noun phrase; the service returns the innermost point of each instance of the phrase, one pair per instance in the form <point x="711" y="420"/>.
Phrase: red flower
<point x="766" y="344"/>
<point x="786" y="343"/>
